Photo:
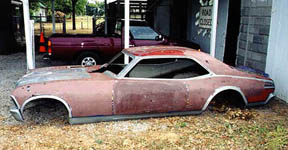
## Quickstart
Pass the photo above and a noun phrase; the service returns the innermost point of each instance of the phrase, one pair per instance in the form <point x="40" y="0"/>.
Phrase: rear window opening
<point x="167" y="68"/>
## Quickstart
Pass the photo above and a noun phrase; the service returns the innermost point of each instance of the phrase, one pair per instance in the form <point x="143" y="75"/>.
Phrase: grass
<point x="267" y="129"/>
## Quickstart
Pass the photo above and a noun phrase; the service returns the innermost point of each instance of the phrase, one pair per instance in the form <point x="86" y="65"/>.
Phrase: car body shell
<point x="102" y="96"/>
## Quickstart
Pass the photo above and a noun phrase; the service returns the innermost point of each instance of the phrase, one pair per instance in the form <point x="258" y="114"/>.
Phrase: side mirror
<point x="159" y="37"/>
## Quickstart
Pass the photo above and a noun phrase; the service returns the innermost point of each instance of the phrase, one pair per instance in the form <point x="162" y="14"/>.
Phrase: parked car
<point x="158" y="81"/>
<point x="94" y="49"/>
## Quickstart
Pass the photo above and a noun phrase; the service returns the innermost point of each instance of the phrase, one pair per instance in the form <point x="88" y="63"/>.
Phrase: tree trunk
<point x="73" y="13"/>
<point x="7" y="38"/>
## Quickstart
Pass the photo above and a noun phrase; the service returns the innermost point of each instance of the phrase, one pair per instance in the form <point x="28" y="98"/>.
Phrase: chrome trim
<point x="69" y="109"/>
<point x="240" y="77"/>
<point x="221" y="89"/>
<point x="82" y="120"/>
<point x="15" y="101"/>
<point x="16" y="114"/>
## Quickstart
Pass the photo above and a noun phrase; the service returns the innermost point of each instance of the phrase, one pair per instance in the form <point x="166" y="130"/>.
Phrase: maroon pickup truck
<point x="93" y="49"/>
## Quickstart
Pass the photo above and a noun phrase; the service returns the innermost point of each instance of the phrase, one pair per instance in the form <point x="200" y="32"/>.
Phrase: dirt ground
<point x="263" y="127"/>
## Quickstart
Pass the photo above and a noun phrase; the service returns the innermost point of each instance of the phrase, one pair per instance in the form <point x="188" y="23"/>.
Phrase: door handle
<point x="131" y="45"/>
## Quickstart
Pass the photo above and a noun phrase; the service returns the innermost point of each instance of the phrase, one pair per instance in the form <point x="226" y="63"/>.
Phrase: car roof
<point x="213" y="64"/>
<point x="159" y="50"/>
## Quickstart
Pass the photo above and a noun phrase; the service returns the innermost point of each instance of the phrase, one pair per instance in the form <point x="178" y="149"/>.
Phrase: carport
<point x="29" y="38"/>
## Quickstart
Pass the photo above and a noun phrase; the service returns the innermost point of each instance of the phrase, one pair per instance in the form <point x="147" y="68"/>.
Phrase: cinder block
<point x="256" y="56"/>
<point x="242" y="44"/>
<point x="239" y="60"/>
<point x="264" y="30"/>
<point x="266" y="11"/>
<point x="260" y="39"/>
<point x="262" y="20"/>
<point x="241" y="52"/>
<point x="244" y="28"/>
<point x="244" y="20"/>
<point x="262" y="3"/>
<point x="260" y="48"/>
<point x="245" y="11"/>
<point x="256" y="65"/>
<point x="243" y="36"/>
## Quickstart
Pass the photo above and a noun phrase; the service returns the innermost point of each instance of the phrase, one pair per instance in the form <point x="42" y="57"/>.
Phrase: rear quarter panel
<point x="202" y="89"/>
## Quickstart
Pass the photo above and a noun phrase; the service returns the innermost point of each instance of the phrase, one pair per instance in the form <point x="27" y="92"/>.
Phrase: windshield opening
<point x="115" y="65"/>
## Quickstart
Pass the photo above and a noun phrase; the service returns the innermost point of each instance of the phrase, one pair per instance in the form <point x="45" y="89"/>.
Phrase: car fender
<point x="221" y="89"/>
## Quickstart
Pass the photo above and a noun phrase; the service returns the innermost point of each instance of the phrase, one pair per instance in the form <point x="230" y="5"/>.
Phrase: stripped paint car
<point x="156" y="81"/>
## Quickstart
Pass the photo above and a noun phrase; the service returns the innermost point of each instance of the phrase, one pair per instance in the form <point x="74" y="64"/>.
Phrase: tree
<point x="64" y="6"/>
<point x="73" y="13"/>
<point x="95" y="9"/>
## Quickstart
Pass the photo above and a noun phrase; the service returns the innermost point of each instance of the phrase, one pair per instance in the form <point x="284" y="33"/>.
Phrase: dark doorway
<point x="233" y="28"/>
<point x="178" y="20"/>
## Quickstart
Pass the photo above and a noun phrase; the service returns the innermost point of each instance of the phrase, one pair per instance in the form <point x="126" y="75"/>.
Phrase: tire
<point x="88" y="59"/>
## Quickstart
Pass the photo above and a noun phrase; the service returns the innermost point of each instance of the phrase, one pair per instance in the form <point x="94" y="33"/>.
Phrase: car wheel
<point x="88" y="59"/>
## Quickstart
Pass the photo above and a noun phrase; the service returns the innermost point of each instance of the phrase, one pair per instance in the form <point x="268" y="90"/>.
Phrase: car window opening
<point x="167" y="68"/>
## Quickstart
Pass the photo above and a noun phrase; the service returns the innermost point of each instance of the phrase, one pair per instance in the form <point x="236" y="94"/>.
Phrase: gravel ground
<point x="13" y="67"/>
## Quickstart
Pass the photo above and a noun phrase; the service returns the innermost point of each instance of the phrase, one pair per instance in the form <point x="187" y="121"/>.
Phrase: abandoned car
<point x="153" y="81"/>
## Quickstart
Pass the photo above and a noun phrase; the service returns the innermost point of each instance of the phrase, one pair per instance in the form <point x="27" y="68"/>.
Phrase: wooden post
<point x="94" y="24"/>
<point x="106" y="23"/>
<point x="53" y="17"/>
<point x="73" y="14"/>
<point x="64" y="24"/>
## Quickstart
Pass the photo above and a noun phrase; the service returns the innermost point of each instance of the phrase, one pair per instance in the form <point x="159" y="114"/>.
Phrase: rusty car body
<point x="157" y="81"/>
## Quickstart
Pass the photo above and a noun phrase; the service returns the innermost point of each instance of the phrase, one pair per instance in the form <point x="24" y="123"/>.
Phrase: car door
<point x="140" y="91"/>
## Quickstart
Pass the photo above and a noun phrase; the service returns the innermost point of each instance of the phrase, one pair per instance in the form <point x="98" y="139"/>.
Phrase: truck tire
<point x="88" y="59"/>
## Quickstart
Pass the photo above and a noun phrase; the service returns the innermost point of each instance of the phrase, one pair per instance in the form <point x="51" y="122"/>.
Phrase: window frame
<point x="137" y="59"/>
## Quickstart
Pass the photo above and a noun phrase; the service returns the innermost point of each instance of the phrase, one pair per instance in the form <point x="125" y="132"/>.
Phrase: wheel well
<point x="229" y="97"/>
<point x="45" y="109"/>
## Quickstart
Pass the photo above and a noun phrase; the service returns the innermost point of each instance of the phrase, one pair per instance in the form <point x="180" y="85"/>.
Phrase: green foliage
<point x="95" y="9"/>
<point x="64" y="6"/>
<point x="278" y="138"/>
<point x="34" y="7"/>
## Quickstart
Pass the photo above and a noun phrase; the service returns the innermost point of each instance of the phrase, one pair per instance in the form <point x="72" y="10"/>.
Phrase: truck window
<point x="143" y="33"/>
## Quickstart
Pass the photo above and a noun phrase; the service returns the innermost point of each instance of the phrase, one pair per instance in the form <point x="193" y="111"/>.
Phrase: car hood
<point x="53" y="74"/>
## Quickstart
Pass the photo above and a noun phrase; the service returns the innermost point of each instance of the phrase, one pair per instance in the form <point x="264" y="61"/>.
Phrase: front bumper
<point x="16" y="114"/>
<point x="15" y="110"/>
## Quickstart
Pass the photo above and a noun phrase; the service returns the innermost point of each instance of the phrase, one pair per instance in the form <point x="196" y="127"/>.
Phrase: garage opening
<point x="233" y="28"/>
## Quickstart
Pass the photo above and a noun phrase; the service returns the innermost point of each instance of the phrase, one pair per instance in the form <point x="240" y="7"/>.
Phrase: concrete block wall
<point x="254" y="33"/>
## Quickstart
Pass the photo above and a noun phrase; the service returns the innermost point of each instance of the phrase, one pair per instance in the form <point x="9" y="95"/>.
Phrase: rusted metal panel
<point x="89" y="93"/>
<point x="144" y="96"/>
<point x="86" y="97"/>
